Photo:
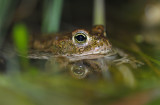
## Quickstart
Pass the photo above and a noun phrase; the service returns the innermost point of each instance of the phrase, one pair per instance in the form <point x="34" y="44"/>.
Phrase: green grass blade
<point x="4" y="7"/>
<point x="52" y="15"/>
<point x="20" y="37"/>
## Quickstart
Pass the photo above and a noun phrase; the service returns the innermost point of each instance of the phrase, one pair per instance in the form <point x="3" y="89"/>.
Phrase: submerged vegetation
<point x="40" y="82"/>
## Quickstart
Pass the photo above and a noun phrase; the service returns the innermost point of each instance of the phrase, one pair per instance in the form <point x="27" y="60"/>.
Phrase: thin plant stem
<point x="52" y="16"/>
<point x="99" y="12"/>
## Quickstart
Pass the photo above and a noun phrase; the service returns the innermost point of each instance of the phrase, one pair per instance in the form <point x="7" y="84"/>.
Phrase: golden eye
<point x="80" y="38"/>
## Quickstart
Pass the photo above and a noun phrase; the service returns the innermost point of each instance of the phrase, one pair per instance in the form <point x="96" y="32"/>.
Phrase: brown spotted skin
<point x="65" y="45"/>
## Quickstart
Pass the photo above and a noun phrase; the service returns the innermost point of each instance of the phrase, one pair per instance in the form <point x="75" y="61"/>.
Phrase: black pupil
<point x="80" y="38"/>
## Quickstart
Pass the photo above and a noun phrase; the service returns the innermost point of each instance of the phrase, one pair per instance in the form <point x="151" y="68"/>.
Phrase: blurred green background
<point x="132" y="25"/>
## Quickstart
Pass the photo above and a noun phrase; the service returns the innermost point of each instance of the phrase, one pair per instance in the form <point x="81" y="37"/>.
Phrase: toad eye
<point x="80" y="38"/>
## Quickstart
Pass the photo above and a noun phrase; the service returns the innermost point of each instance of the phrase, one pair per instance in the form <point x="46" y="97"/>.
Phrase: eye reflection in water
<point x="79" y="70"/>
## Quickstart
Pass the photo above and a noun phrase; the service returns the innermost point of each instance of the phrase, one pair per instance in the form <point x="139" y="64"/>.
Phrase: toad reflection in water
<point x="81" y="50"/>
